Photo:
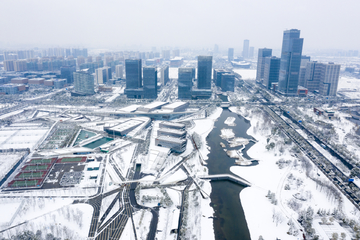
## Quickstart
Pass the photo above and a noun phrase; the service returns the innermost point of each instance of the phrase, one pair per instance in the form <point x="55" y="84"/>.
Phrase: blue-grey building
<point x="133" y="73"/>
<point x="227" y="82"/>
<point x="271" y="71"/>
<point x="67" y="72"/>
<point x="290" y="62"/>
<point x="204" y="72"/>
<point x="133" y="78"/>
<point x="262" y="54"/>
<point x="83" y="82"/>
<point x="184" y="83"/>
<point x="217" y="76"/>
<point x="59" y="83"/>
<point x="165" y="75"/>
<point x="150" y="82"/>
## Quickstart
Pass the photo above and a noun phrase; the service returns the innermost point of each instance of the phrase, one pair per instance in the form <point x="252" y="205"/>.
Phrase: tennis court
<point x="24" y="183"/>
<point x="40" y="161"/>
<point x="70" y="160"/>
<point x="30" y="175"/>
<point x="36" y="167"/>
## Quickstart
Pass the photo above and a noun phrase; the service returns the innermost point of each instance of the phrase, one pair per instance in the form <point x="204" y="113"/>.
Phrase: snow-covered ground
<point x="246" y="74"/>
<point x="7" y="161"/>
<point x="270" y="175"/>
<point x="350" y="87"/>
<point x="20" y="138"/>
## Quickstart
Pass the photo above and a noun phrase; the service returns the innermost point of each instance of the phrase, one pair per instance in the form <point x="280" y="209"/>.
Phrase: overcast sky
<point x="324" y="24"/>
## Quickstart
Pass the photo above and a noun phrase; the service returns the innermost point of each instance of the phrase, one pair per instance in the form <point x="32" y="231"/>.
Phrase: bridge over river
<point x="229" y="177"/>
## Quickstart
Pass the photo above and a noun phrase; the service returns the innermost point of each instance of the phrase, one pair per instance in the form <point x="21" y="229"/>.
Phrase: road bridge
<point x="222" y="177"/>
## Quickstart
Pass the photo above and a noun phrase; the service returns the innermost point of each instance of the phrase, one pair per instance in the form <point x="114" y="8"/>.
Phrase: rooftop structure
<point x="173" y="125"/>
<point x="175" y="144"/>
<point x="171" y="132"/>
<point x="123" y="128"/>
<point x="176" y="106"/>
<point x="151" y="106"/>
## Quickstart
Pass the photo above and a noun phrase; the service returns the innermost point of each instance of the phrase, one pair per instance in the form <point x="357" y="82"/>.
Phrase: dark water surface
<point x="229" y="219"/>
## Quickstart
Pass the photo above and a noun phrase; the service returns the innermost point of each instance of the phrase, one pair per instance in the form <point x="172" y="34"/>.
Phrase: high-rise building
<point x="227" y="82"/>
<point x="83" y="82"/>
<point x="245" y="52"/>
<point x="302" y="72"/>
<point x="322" y="77"/>
<point x="251" y="52"/>
<point x="231" y="54"/>
<point x="119" y="71"/>
<point x="314" y="74"/>
<point x="67" y="72"/>
<point x="8" y="65"/>
<point x="217" y="76"/>
<point x="101" y="76"/>
<point x="184" y="83"/>
<point x="20" y="66"/>
<point x="133" y="73"/>
<point x="165" y="75"/>
<point x="262" y="54"/>
<point x="89" y="59"/>
<point x="271" y="71"/>
<point x="204" y="72"/>
<point x="290" y="62"/>
<point x="329" y="84"/>
<point x="150" y="82"/>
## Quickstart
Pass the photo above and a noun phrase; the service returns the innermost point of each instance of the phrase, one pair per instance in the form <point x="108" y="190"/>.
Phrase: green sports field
<point x="27" y="183"/>
<point x="36" y="161"/>
<point x="36" y="167"/>
<point x="75" y="159"/>
<point x="31" y="175"/>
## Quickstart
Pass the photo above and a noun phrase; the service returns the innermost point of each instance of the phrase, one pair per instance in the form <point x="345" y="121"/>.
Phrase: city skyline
<point x="185" y="23"/>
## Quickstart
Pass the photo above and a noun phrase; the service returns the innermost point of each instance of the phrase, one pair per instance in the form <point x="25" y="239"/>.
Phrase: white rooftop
<point x="130" y="108"/>
<point x="126" y="125"/>
<point x="171" y="139"/>
<point x="174" y="105"/>
<point x="154" y="105"/>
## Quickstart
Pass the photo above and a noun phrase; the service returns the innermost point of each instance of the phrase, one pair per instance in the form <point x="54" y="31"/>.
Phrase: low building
<point x="175" y="144"/>
<point x="176" y="62"/>
<point x="60" y="83"/>
<point x="49" y="82"/>
<point x="176" y="106"/>
<point x="103" y="88"/>
<point x="36" y="81"/>
<point x="201" y="93"/>
<point x="19" y="80"/>
<point x="172" y="125"/>
<point x="171" y="132"/>
<point x="123" y="128"/>
<point x="93" y="166"/>
<point x="151" y="106"/>
<point x="12" y="88"/>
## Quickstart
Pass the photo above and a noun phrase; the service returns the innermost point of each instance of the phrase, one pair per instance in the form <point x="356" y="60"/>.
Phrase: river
<point x="229" y="218"/>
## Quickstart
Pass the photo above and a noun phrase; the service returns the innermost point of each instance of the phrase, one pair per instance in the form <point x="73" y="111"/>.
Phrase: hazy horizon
<point x="194" y="24"/>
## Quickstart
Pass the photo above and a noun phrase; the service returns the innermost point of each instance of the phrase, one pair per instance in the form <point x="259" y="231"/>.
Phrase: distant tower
<point x="231" y="54"/>
<point x="251" y="52"/>
<point x="290" y="62"/>
<point x="216" y="49"/>
<point x="150" y="82"/>
<point x="184" y="83"/>
<point x="166" y="54"/>
<point x="262" y="54"/>
<point x="204" y="72"/>
<point x="83" y="82"/>
<point x="245" y="52"/>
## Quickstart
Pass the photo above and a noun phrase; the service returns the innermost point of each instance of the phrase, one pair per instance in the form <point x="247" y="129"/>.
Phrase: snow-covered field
<point x="348" y="86"/>
<point x="246" y="74"/>
<point x="283" y="174"/>
<point x="21" y="138"/>
<point x="7" y="161"/>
